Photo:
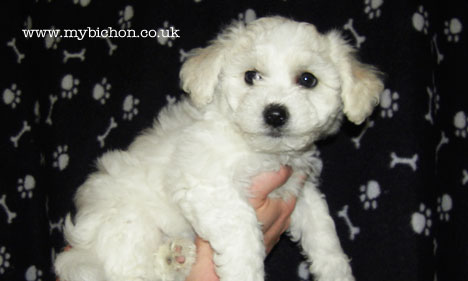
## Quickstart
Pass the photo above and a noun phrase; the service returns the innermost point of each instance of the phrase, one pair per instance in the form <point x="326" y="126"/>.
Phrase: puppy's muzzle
<point x="275" y="116"/>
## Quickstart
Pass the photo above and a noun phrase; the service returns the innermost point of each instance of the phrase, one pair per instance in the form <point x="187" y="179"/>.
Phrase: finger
<point x="277" y="219"/>
<point x="272" y="235"/>
<point x="289" y="205"/>
<point x="270" y="243"/>
<point x="266" y="182"/>
<point x="270" y="212"/>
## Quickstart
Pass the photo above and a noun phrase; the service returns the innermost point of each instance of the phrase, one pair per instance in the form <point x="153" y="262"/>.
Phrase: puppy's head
<point x="281" y="82"/>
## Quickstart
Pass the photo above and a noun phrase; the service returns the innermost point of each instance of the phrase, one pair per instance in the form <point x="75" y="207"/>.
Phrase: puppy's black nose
<point x="275" y="115"/>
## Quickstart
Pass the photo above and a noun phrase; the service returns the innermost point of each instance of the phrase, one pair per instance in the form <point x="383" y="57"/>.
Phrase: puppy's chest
<point x="306" y="167"/>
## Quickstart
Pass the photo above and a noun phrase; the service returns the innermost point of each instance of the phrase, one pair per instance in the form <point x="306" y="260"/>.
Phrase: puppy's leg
<point x="175" y="258"/>
<point x="228" y="222"/>
<point x="120" y="248"/>
<point x="312" y="225"/>
<point x="79" y="265"/>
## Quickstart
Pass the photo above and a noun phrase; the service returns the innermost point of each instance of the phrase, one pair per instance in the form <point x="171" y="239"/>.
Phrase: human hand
<point x="274" y="215"/>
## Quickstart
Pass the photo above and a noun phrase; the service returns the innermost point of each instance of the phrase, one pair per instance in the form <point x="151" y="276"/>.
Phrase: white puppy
<point x="260" y="96"/>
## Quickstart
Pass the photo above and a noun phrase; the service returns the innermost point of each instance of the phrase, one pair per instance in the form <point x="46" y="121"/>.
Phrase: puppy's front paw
<point x="332" y="269"/>
<point x="174" y="259"/>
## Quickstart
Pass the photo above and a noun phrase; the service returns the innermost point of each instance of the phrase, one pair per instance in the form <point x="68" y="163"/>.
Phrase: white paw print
<point x="69" y="86"/>
<point x="101" y="91"/>
<point x="33" y="274"/>
<point x="11" y="96"/>
<point x="164" y="35"/>
<point x="452" y="30"/>
<point x="26" y="186"/>
<point x="247" y="16"/>
<point x="125" y="16"/>
<point x="436" y="102"/>
<point x="388" y="103"/>
<point x="460" y="121"/>
<point x="369" y="194"/>
<point x="421" y="221"/>
<point x="61" y="157"/>
<point x="130" y="107"/>
<point x="445" y="204"/>
<point x="373" y="8"/>
<point x="303" y="271"/>
<point x="4" y="260"/>
<point x="51" y="42"/>
<point x="83" y="3"/>
<point x="420" y="20"/>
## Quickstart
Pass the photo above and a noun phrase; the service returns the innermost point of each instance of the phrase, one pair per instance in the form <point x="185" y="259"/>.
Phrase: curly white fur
<point x="189" y="174"/>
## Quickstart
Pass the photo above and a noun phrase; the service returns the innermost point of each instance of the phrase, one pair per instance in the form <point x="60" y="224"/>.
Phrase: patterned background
<point x="397" y="186"/>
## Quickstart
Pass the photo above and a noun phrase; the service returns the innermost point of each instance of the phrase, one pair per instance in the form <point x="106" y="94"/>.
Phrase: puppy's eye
<point x="307" y="80"/>
<point x="250" y="76"/>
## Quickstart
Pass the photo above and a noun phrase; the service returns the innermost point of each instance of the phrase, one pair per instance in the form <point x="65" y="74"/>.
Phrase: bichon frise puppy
<point x="260" y="94"/>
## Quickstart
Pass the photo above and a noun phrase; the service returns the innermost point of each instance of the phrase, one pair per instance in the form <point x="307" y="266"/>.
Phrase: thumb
<point x="266" y="182"/>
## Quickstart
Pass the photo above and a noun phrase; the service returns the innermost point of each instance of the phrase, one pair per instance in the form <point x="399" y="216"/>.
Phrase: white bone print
<point x="19" y="55"/>
<point x="10" y="214"/>
<point x="359" y="39"/>
<point x="435" y="47"/>
<point x="464" y="177"/>
<point x="79" y="55"/>
<point x="183" y="55"/>
<point x="433" y="102"/>
<point x="353" y="230"/>
<point x="102" y="138"/>
<point x="112" y="47"/>
<point x="53" y="99"/>
<point x="56" y="226"/>
<point x="357" y="140"/>
<point x="15" y="139"/>
<point x="411" y="162"/>
<point x="443" y="140"/>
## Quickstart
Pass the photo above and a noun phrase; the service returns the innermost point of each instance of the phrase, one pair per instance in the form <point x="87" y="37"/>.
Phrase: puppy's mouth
<point x="275" y="133"/>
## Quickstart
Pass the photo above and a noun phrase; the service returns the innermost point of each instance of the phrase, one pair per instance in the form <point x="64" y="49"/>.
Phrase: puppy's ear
<point x="360" y="84"/>
<point x="199" y="73"/>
